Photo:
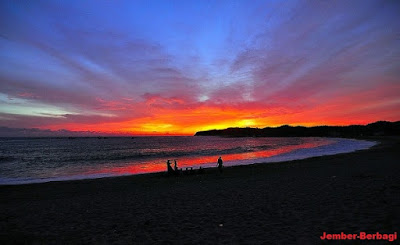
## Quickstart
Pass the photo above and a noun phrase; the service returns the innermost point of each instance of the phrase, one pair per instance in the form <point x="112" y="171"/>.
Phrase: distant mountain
<point x="380" y="128"/>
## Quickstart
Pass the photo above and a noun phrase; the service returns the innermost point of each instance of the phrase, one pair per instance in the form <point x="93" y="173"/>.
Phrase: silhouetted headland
<point x="380" y="128"/>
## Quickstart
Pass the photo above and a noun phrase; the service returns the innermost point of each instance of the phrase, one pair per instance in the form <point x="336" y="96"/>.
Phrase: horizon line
<point x="94" y="134"/>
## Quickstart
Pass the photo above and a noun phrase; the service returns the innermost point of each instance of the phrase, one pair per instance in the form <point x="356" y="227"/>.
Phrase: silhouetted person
<point x="220" y="164"/>
<point x="177" y="171"/>
<point x="169" y="168"/>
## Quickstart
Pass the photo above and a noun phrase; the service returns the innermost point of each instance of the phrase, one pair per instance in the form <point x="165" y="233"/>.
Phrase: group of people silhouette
<point x="175" y="170"/>
<point x="170" y="169"/>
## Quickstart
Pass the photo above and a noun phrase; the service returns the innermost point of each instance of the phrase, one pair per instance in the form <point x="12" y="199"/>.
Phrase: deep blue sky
<point x="129" y="65"/>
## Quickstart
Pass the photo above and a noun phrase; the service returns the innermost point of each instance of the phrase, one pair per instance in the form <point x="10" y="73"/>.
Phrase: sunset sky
<point x="177" y="67"/>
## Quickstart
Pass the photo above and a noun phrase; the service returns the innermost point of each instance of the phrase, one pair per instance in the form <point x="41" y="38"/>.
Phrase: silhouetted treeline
<point x="380" y="128"/>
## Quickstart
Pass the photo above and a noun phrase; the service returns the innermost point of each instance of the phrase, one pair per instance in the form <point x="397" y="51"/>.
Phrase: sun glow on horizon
<point x="209" y="65"/>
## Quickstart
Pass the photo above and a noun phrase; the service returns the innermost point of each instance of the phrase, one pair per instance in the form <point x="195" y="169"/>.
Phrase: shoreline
<point x="280" y="158"/>
<point x="286" y="202"/>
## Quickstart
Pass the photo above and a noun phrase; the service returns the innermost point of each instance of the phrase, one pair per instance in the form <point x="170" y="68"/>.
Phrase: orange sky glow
<point x="174" y="69"/>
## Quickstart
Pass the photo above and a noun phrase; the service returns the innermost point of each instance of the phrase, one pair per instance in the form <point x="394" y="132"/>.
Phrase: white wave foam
<point x="339" y="146"/>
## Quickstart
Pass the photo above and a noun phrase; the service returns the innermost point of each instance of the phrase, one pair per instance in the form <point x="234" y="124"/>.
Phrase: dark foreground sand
<point x="284" y="203"/>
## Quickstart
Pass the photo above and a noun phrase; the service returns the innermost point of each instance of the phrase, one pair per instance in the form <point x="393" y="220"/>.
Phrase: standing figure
<point x="220" y="164"/>
<point x="169" y="168"/>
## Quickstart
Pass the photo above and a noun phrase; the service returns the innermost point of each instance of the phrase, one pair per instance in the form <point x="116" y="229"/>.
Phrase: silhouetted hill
<point x="380" y="128"/>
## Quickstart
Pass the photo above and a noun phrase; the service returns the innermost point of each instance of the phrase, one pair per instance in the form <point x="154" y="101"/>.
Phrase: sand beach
<point x="280" y="203"/>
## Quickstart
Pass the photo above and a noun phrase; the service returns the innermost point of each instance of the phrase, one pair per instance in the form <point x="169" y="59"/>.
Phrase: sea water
<point x="35" y="160"/>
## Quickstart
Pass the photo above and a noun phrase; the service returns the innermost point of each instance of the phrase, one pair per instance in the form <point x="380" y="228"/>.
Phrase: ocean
<point x="36" y="160"/>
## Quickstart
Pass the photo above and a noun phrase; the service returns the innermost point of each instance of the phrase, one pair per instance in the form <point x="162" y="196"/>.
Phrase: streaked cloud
<point x="179" y="67"/>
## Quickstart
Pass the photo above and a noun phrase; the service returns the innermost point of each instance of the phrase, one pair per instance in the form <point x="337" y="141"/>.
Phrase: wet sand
<point x="281" y="203"/>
